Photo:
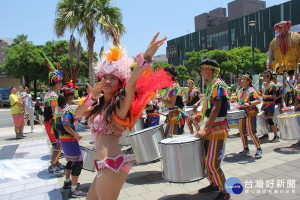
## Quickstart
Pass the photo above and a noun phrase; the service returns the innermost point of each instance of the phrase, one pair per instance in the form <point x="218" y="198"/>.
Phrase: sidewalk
<point x="279" y="164"/>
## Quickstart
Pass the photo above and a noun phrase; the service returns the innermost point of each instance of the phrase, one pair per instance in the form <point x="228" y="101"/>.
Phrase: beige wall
<point x="7" y="82"/>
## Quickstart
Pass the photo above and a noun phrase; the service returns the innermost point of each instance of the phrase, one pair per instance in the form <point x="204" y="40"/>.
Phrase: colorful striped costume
<point x="49" y="101"/>
<point x="248" y="124"/>
<point x="268" y="104"/>
<point x="215" y="141"/>
<point x="70" y="145"/>
<point x="175" y="118"/>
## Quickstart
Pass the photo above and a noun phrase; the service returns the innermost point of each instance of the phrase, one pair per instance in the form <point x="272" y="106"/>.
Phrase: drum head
<point x="199" y="108"/>
<point x="145" y="130"/>
<point x="187" y="109"/>
<point x="180" y="140"/>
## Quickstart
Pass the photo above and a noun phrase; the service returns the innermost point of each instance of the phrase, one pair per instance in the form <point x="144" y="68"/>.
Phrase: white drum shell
<point x="183" y="161"/>
<point x="189" y="111"/>
<point x="261" y="124"/>
<point x="88" y="156"/>
<point x="289" y="126"/>
<point x="276" y="113"/>
<point x="235" y="114"/>
<point x="144" y="143"/>
<point x="138" y="125"/>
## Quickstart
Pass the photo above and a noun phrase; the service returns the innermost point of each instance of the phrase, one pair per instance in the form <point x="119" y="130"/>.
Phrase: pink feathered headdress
<point x="115" y="62"/>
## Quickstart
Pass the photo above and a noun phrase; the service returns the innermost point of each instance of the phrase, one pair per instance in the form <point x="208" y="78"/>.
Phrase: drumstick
<point x="163" y="114"/>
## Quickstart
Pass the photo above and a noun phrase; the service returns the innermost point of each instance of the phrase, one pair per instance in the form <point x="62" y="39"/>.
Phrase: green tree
<point x="182" y="73"/>
<point x="87" y="16"/>
<point x="244" y="59"/>
<point x="25" y="59"/>
<point x="19" y="39"/>
<point x="160" y="64"/>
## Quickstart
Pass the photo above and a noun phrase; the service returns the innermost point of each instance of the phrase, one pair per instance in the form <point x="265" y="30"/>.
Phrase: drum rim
<point x="145" y="130"/>
<point x="82" y="147"/>
<point x="197" y="139"/>
<point x="185" y="181"/>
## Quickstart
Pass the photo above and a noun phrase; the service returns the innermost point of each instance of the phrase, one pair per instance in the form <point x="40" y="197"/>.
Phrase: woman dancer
<point x="192" y="100"/>
<point x="268" y="95"/>
<point x="279" y="93"/>
<point x="175" y="118"/>
<point x="112" y="106"/>
<point x="248" y="98"/>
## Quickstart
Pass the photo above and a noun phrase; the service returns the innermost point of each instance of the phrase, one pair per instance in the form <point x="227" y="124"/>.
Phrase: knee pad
<point x="69" y="165"/>
<point x="76" y="168"/>
<point x="270" y="122"/>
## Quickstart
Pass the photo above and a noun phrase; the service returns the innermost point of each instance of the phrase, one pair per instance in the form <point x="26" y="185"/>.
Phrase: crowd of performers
<point x="118" y="99"/>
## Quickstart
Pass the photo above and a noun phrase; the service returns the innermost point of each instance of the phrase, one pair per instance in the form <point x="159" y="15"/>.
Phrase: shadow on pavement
<point x="288" y="150"/>
<point x="45" y="175"/>
<point x="190" y="197"/>
<point x="53" y="194"/>
<point x="46" y="157"/>
<point x="235" y="157"/>
<point x="234" y="135"/>
<point x="145" y="177"/>
<point x="65" y="193"/>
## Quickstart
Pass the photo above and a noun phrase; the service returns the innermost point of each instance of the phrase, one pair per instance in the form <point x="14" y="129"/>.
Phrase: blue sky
<point x="142" y="19"/>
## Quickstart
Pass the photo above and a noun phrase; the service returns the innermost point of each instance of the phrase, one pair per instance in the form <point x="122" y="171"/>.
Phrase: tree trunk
<point x="91" y="41"/>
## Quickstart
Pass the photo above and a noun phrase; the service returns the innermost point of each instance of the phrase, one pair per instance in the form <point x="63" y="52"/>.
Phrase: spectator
<point x="17" y="113"/>
<point x="41" y="96"/>
<point x="29" y="108"/>
<point x="38" y="109"/>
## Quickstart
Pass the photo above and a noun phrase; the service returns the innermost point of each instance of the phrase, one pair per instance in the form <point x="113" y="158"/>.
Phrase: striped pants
<point x="248" y="125"/>
<point x="214" y="154"/>
<point x="56" y="151"/>
<point x="56" y="146"/>
<point x="190" y="122"/>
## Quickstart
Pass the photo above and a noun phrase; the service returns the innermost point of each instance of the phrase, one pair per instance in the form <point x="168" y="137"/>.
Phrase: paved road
<point x="5" y="118"/>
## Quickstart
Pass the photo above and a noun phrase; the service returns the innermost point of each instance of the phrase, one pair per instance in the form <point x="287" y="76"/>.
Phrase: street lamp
<point x="252" y="25"/>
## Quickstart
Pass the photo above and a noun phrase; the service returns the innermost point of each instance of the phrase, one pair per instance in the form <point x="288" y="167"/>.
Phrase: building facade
<point x="4" y="42"/>
<point x="236" y="32"/>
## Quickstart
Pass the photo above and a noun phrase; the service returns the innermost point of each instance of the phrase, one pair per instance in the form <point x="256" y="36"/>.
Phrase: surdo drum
<point x="183" y="159"/>
<point x="144" y="143"/>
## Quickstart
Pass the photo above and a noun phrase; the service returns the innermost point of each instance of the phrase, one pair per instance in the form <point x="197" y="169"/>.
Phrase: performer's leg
<point x="243" y="134"/>
<point x="189" y="124"/>
<point x="92" y="194"/>
<point x="109" y="184"/>
<point x="56" y="153"/>
<point x="213" y="161"/>
<point x="251" y="129"/>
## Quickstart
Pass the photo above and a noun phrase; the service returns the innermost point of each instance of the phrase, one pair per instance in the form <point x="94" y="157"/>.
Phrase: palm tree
<point x="19" y="39"/>
<point x="86" y="16"/>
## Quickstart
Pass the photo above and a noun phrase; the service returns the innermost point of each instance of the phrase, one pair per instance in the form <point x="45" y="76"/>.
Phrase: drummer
<point x="216" y="128"/>
<point x="268" y="94"/>
<point x="248" y="98"/>
<point x="279" y="93"/>
<point x="192" y="101"/>
<point x="175" y="118"/>
<point x="68" y="138"/>
<point x="152" y="109"/>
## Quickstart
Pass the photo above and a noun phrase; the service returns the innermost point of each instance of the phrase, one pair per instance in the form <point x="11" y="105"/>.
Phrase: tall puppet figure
<point x="284" y="51"/>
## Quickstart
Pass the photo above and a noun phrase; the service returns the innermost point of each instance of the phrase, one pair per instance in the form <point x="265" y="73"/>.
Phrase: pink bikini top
<point x="101" y="126"/>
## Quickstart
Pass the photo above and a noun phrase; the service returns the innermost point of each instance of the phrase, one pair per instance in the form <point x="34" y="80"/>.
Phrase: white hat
<point x="38" y="98"/>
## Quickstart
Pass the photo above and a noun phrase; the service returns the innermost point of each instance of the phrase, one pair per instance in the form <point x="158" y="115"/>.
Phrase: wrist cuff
<point x="88" y="100"/>
<point x="143" y="63"/>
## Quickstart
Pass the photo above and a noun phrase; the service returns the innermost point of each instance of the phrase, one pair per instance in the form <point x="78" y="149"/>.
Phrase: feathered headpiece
<point x="115" y="62"/>
<point x="54" y="75"/>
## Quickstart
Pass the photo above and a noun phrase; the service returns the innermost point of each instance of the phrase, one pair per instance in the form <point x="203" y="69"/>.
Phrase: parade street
<point x="24" y="174"/>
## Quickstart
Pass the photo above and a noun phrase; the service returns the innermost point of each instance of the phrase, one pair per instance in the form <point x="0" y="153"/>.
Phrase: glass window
<point x="2" y="47"/>
<point x="2" y="53"/>
<point x="3" y="59"/>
